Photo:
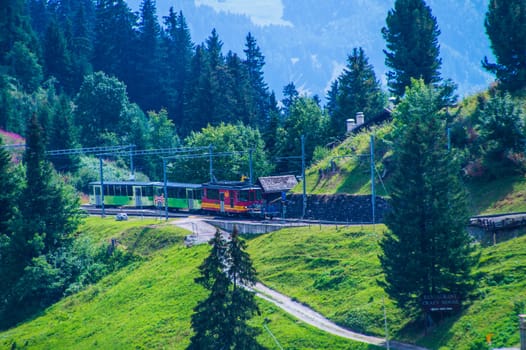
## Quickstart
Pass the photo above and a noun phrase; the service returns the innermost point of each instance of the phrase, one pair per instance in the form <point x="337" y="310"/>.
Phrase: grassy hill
<point x="148" y="304"/>
<point x="334" y="270"/>
<point x="346" y="169"/>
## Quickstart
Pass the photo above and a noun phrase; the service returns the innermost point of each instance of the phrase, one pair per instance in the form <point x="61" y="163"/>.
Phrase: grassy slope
<point x="147" y="305"/>
<point x="501" y="195"/>
<point x="334" y="271"/>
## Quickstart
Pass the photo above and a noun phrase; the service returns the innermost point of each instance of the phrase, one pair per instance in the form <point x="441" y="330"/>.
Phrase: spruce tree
<point x="115" y="39"/>
<point x="255" y="61"/>
<point x="57" y="57"/>
<point x="290" y="95"/>
<point x="9" y="190"/>
<point x="48" y="214"/>
<point x="358" y="90"/>
<point x="144" y="86"/>
<point x="209" y="320"/>
<point x="177" y="48"/>
<point x="506" y="28"/>
<point x="220" y="320"/>
<point x="412" y="45"/>
<point x="427" y="249"/>
<point x="243" y="304"/>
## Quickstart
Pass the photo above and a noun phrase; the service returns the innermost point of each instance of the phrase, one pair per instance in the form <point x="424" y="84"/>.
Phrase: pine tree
<point x="270" y="130"/>
<point x="209" y="320"/>
<point x="358" y="90"/>
<point x="63" y="135"/>
<point x="255" y="61"/>
<point x="506" y="28"/>
<point x="144" y="86"/>
<point x="240" y="101"/>
<point x="427" y="249"/>
<point x="177" y="47"/>
<point x="57" y="57"/>
<point x="501" y="134"/>
<point x="220" y="320"/>
<point x="9" y="192"/>
<point x="243" y="304"/>
<point x="48" y="214"/>
<point x="115" y="39"/>
<point x="290" y="95"/>
<point x="15" y="26"/>
<point x="199" y="106"/>
<point x="412" y="45"/>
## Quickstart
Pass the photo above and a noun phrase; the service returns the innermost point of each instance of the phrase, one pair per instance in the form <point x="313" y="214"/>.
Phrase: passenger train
<point x="224" y="197"/>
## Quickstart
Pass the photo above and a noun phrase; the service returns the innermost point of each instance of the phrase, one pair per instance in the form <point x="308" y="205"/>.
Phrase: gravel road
<point x="202" y="232"/>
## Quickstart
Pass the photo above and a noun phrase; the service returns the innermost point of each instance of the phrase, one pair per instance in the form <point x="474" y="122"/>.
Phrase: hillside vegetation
<point x="334" y="270"/>
<point x="147" y="304"/>
<point x="346" y="169"/>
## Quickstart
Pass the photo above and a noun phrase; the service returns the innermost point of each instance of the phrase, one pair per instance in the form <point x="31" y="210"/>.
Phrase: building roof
<point x="273" y="184"/>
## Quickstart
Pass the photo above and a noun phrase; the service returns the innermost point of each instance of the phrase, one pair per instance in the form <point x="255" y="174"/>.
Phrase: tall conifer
<point x="506" y="28"/>
<point x="413" y="51"/>
<point x="427" y="249"/>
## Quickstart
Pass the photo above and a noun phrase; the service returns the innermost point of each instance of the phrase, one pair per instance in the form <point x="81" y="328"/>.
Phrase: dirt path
<point x="315" y="319"/>
<point x="202" y="232"/>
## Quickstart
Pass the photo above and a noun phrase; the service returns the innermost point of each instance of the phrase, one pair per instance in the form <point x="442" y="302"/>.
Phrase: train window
<point x="212" y="194"/>
<point x="258" y="195"/>
<point x="198" y="194"/>
<point x="109" y="190"/>
<point x="243" y="196"/>
<point x="127" y="191"/>
<point x="147" y="191"/>
<point x="175" y="192"/>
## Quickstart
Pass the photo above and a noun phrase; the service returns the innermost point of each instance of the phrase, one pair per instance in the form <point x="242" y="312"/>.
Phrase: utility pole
<point x="373" y="194"/>
<point x="132" y="170"/>
<point x="211" y="164"/>
<point x="103" y="213"/>
<point x="250" y="166"/>
<point x="303" y="176"/>
<point x="522" y="328"/>
<point x="165" y="190"/>
<point x="449" y="139"/>
<point x="385" y="325"/>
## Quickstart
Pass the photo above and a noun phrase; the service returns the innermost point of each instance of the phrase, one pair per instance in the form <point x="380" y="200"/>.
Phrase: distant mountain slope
<point x="311" y="46"/>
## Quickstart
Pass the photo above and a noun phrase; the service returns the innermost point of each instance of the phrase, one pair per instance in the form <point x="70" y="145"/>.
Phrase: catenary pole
<point x="373" y="194"/>
<point x="303" y="176"/>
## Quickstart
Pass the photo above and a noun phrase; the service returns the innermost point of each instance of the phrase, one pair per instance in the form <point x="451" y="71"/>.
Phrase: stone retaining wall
<point x="339" y="207"/>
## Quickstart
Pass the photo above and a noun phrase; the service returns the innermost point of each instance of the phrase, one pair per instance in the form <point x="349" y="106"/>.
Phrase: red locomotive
<point x="232" y="197"/>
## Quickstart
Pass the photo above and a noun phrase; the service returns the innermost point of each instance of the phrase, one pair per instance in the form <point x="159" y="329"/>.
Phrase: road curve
<point x="202" y="232"/>
<point x="315" y="319"/>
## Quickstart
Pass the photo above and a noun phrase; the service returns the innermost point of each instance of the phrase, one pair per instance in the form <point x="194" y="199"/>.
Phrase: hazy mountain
<point x="307" y="41"/>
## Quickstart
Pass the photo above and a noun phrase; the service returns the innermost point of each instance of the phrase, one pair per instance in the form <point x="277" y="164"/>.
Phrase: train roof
<point x="150" y="183"/>
<point x="132" y="183"/>
<point x="177" y="184"/>
<point x="235" y="185"/>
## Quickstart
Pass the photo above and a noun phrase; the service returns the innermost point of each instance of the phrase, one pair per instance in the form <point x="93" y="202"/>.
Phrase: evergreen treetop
<point x="506" y="28"/>
<point x="411" y="36"/>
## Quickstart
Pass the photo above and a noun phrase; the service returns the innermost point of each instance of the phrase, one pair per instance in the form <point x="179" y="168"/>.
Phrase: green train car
<point x="181" y="196"/>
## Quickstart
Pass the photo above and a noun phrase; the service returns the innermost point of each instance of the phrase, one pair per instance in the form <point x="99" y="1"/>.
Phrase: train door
<point x="137" y="194"/>
<point x="231" y="199"/>
<point x="222" y="202"/>
<point x="98" y="195"/>
<point x="190" y="198"/>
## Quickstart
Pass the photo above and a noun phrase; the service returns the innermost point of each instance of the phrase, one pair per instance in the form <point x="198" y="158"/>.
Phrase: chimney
<point x="351" y="124"/>
<point x="359" y="118"/>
